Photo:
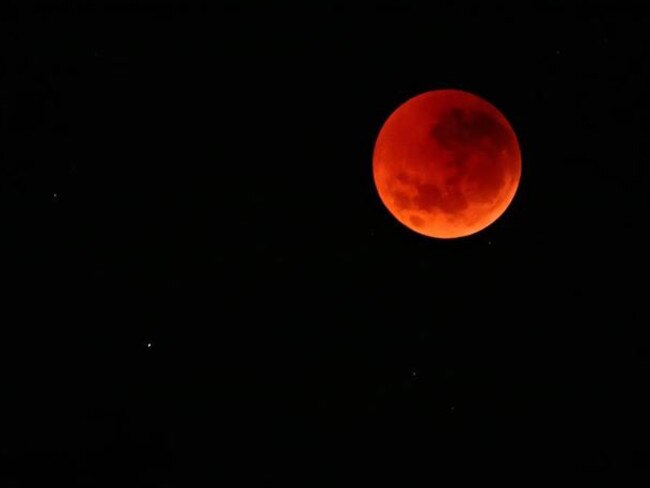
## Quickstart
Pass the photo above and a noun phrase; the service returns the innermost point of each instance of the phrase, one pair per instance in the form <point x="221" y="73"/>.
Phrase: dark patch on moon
<point x="402" y="177"/>
<point x="487" y="180"/>
<point x="401" y="199"/>
<point x="464" y="133"/>
<point x="458" y="129"/>
<point x="430" y="196"/>
<point x="417" y="221"/>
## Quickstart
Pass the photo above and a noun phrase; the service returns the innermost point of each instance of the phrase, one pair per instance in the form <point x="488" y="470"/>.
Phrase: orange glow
<point x="447" y="163"/>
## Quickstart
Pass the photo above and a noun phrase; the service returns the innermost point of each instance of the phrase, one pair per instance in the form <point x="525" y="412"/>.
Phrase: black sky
<point x="202" y="287"/>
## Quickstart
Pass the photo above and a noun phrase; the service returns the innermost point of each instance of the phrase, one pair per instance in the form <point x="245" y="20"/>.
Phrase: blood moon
<point x="446" y="163"/>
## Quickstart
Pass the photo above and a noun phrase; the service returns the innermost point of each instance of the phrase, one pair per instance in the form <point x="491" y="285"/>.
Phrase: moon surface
<point x="446" y="163"/>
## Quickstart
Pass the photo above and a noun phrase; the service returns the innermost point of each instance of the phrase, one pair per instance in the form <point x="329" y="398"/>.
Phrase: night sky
<point x="201" y="286"/>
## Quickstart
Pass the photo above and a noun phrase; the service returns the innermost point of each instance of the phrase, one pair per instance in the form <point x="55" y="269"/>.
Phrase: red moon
<point x="446" y="163"/>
